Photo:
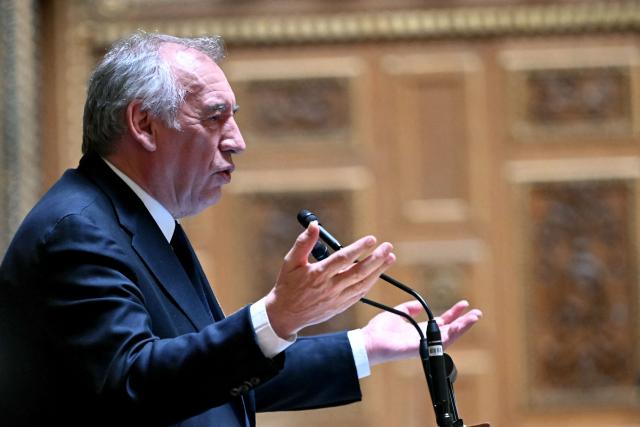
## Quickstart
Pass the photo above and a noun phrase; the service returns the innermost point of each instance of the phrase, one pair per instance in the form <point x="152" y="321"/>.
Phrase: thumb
<point x="299" y="253"/>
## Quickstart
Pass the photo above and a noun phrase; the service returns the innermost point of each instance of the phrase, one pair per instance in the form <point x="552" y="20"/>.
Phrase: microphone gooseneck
<point x="431" y="350"/>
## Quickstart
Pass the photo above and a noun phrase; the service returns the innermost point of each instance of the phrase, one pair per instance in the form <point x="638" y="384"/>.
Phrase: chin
<point x="209" y="200"/>
<point x="196" y="208"/>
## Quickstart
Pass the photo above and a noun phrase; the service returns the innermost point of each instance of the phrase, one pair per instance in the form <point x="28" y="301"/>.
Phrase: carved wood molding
<point x="574" y="169"/>
<point x="352" y="178"/>
<point x="463" y="22"/>
<point x="462" y="251"/>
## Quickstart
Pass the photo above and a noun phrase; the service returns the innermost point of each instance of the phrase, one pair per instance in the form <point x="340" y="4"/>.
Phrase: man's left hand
<point x="390" y="337"/>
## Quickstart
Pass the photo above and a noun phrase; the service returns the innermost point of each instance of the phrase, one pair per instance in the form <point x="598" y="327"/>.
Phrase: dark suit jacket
<point x="100" y="326"/>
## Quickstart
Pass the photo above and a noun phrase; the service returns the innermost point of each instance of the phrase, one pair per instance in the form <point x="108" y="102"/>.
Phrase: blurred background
<point x="495" y="143"/>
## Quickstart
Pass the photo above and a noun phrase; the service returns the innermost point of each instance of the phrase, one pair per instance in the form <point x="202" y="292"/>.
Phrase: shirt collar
<point x="160" y="214"/>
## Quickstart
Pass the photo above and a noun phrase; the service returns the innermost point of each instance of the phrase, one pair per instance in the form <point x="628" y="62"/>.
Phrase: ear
<point x="139" y="124"/>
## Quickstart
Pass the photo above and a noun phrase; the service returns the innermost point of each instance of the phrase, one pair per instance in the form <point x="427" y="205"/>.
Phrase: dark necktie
<point x="186" y="256"/>
<point x="232" y="414"/>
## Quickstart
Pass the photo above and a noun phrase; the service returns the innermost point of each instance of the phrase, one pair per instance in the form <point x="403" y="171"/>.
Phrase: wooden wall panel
<point x="305" y="104"/>
<point x="432" y="133"/>
<point x="577" y="254"/>
<point x="580" y="285"/>
<point x="567" y="94"/>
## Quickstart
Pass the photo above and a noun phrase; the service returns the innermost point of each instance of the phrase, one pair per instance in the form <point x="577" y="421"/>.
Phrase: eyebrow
<point x="222" y="108"/>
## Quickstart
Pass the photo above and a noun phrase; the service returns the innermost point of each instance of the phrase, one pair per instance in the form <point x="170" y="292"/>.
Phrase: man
<point x="107" y="318"/>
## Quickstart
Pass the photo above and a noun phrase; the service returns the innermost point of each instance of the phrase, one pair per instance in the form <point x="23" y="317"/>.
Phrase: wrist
<point x="373" y="353"/>
<point x="276" y="319"/>
<point x="269" y="342"/>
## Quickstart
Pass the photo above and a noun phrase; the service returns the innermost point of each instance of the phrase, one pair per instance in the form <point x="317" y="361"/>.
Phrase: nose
<point x="233" y="141"/>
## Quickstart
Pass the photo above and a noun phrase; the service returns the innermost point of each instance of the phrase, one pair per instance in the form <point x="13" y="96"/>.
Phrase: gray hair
<point x="133" y="69"/>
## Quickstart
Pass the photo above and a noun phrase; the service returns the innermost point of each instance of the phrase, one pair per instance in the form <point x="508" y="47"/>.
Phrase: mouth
<point x="225" y="175"/>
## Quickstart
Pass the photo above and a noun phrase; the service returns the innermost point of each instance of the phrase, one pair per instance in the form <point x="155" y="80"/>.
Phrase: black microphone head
<point x="305" y="217"/>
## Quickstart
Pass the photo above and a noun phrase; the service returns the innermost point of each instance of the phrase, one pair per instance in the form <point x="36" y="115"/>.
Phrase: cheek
<point x="201" y="156"/>
<point x="207" y="145"/>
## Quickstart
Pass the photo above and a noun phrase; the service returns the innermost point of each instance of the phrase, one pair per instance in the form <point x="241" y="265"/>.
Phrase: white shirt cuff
<point x="356" y="339"/>
<point x="268" y="341"/>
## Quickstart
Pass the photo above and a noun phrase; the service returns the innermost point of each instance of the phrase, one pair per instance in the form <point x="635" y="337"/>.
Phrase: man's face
<point x="196" y="159"/>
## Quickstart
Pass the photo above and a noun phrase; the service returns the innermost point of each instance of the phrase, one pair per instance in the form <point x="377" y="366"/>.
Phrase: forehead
<point x="198" y="73"/>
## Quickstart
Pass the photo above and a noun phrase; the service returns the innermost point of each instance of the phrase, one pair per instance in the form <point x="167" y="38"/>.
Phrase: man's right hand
<point x="309" y="293"/>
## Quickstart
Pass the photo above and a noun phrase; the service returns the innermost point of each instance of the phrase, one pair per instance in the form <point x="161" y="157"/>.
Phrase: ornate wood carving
<point x="281" y="110"/>
<point x="581" y="291"/>
<point x="444" y="284"/>
<point x="292" y="106"/>
<point x="578" y="95"/>
<point x="574" y="95"/>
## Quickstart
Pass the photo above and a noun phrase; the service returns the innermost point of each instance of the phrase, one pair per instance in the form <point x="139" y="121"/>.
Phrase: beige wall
<point x="496" y="146"/>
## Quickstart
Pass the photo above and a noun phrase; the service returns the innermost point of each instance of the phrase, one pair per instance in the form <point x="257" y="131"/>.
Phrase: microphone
<point x="439" y="385"/>
<point x="431" y="350"/>
<point x="305" y="217"/>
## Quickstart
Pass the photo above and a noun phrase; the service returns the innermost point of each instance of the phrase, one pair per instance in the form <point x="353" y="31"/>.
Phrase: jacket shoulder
<point x="72" y="194"/>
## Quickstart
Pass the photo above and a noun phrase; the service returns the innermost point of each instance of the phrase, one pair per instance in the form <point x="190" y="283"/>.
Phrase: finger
<point x="299" y="252"/>
<point x="453" y="313"/>
<point x="360" y="289"/>
<point x="412" y="308"/>
<point x="345" y="257"/>
<point x="462" y="325"/>
<point x="380" y="258"/>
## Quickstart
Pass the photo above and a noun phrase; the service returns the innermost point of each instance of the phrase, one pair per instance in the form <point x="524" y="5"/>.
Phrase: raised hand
<point x="308" y="293"/>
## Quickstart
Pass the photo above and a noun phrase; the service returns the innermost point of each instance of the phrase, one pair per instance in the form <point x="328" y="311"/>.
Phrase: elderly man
<point x="107" y="318"/>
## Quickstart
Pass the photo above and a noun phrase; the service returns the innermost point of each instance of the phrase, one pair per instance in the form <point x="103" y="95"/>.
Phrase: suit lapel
<point x="147" y="240"/>
<point x="156" y="253"/>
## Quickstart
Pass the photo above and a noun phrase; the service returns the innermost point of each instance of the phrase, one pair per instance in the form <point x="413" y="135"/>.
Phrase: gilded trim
<point x="600" y="16"/>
